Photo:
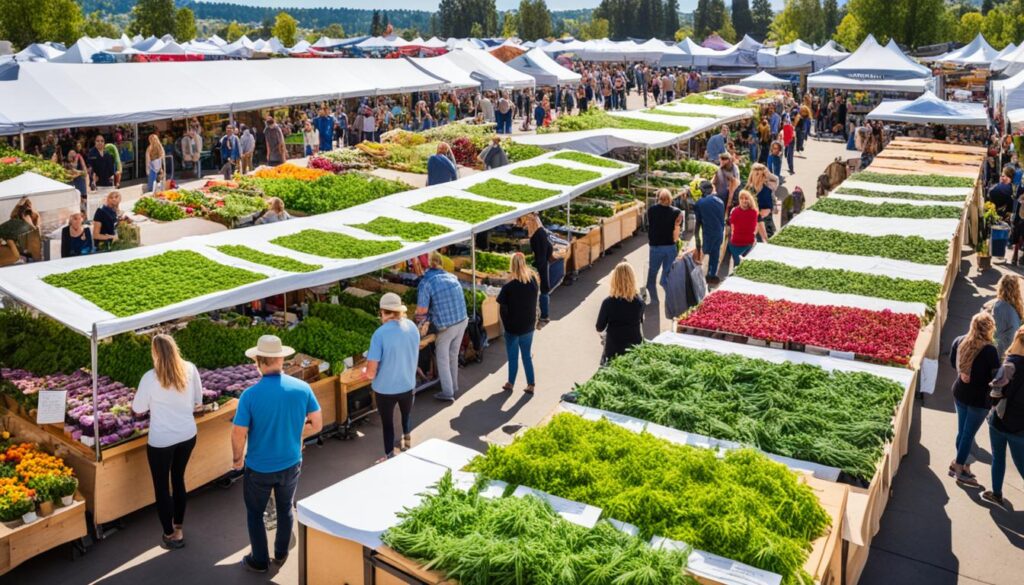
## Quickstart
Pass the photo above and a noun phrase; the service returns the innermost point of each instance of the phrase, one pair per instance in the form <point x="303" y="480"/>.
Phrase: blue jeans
<point x="1000" y="440"/>
<point x="789" y="157"/>
<point x="545" y="305"/>
<point x="968" y="421"/>
<point x="514" y="345"/>
<point x="713" y="253"/>
<point x="659" y="257"/>
<point x="256" y="489"/>
<point x="309" y="150"/>
<point x="504" y="122"/>
<point x="736" y="252"/>
<point x="153" y="178"/>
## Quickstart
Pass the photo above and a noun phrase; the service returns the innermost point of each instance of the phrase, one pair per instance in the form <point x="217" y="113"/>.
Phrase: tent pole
<point x="472" y="256"/>
<point x="135" y="152"/>
<point x="21" y="141"/>
<point x="95" y="392"/>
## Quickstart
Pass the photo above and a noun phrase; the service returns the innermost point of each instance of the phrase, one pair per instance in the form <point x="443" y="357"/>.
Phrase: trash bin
<point x="1000" y="238"/>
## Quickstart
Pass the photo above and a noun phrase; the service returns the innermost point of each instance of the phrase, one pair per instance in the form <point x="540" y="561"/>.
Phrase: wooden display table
<point x="20" y="544"/>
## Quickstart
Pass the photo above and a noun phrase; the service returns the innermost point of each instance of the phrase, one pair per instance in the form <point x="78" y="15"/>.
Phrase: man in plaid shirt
<point x="442" y="301"/>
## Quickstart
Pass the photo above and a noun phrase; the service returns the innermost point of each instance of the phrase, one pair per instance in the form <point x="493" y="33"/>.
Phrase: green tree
<point x="595" y="28"/>
<point x="509" y="24"/>
<point x="919" y="22"/>
<point x="375" y="26"/>
<point x="700" y="20"/>
<point x="233" y="32"/>
<point x="671" y="18"/>
<point x="850" y="33"/>
<point x="877" y="17"/>
<point x="476" y="31"/>
<point x="153" y="17"/>
<point x="683" y="33"/>
<point x="24" y="22"/>
<point x="534" y="20"/>
<point x="285" y="28"/>
<point x="762" y="16"/>
<point x="184" y="25"/>
<point x="98" y="24"/>
<point x="726" y="31"/>
<point x="800" y="19"/>
<point x="970" y="26"/>
<point x="830" y="17"/>
<point x="986" y="6"/>
<point x="999" y="26"/>
<point x="333" y="31"/>
<point x="742" y="20"/>
<point x="455" y="18"/>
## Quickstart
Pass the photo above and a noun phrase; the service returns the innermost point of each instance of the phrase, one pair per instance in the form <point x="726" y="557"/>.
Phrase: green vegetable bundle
<point x="596" y="118"/>
<point x="273" y="260"/>
<point x="335" y="244"/>
<point x="556" y="174"/>
<point x="158" y="209"/>
<point x="320" y="338"/>
<point x="692" y="166"/>
<point x="16" y="162"/>
<point x="588" y="159"/>
<point x="517" y="152"/>
<point x="143" y="284"/>
<point x="720" y="99"/>
<point x="237" y="205"/>
<point x="330" y="192"/>
<point x="125" y="358"/>
<point x="40" y="344"/>
<point x="851" y="208"/>
<point x="498" y="189"/>
<point x="910" y="248"/>
<point x="841" y="419"/>
<point x="491" y="263"/>
<point x="517" y="541"/>
<point x="920" y="180"/>
<point x="213" y="346"/>
<point x="680" y="113"/>
<point x="842" y="281"/>
<point x="348" y="318"/>
<point x="744" y="507"/>
<point x="900" y="195"/>
<point x="418" y="231"/>
<point x="462" y="209"/>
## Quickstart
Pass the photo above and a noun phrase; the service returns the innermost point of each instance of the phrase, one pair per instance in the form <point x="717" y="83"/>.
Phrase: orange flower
<point x="290" y="171"/>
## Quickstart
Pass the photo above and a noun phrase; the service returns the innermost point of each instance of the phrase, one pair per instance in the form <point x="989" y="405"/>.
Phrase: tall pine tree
<point x="830" y="14"/>
<point x="700" y="19"/>
<point x="375" y="24"/>
<point x="761" y="18"/>
<point x="671" y="20"/>
<point x="742" y="20"/>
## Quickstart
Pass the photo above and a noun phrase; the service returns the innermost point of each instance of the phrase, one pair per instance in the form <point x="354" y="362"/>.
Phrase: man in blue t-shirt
<point x="272" y="415"/>
<point x="324" y="123"/>
<point x="391" y="365"/>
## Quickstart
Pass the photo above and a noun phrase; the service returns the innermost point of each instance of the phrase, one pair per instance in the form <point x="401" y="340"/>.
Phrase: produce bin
<point x="20" y="544"/>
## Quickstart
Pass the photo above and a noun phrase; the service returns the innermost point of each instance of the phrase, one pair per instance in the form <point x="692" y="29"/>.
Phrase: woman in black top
<point x="518" y="306"/>
<point x="1006" y="423"/>
<point x="543" y="253"/>
<point x="75" y="238"/>
<point x="105" y="220"/>
<point x="975" y="358"/>
<point x="622" y="314"/>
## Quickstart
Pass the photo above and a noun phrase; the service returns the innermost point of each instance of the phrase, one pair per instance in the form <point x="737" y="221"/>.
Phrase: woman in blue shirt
<point x="775" y="158"/>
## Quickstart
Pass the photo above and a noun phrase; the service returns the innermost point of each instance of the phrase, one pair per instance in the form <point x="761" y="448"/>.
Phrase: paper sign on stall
<point x="718" y="569"/>
<point x="53" y="406"/>
<point x="583" y="514"/>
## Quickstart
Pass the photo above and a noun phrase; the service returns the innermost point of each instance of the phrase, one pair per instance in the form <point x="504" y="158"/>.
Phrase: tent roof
<point x="929" y="109"/>
<point x="38" y="52"/>
<point x="977" y="52"/>
<point x="25" y="282"/>
<point x="764" y="79"/>
<point x="455" y="76"/>
<point x="44" y="96"/>
<point x="488" y="69"/>
<point x="543" y="68"/>
<point x="874" y="67"/>
<point x="434" y="43"/>
<point x="80" y="52"/>
<point x="392" y="42"/>
<point x="31" y="184"/>
<point x="713" y="41"/>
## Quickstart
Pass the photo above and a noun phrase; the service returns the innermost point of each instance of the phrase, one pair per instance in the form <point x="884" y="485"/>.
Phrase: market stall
<point x="874" y="67"/>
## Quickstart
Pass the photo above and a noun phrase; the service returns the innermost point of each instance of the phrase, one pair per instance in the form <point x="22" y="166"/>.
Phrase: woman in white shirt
<point x="170" y="393"/>
<point x="310" y="138"/>
<point x="154" y="161"/>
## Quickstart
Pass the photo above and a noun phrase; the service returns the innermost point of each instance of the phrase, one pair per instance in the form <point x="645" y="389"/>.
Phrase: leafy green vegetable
<point x="900" y="195"/>
<point x="842" y="281"/>
<point x="909" y="248"/>
<point x="348" y="318"/>
<point x="841" y="419"/>
<point x="491" y="263"/>
<point x="498" y="189"/>
<point x="595" y="118"/>
<point x="588" y="159"/>
<point x="851" y="208"/>
<point x="921" y="180"/>
<point x="518" y="541"/>
<point x="213" y="346"/>
<point x="143" y="284"/>
<point x="692" y="166"/>
<point x="719" y="99"/>
<point x="743" y="507"/>
<point x="330" y="192"/>
<point x="556" y="174"/>
<point x="517" y="152"/>
<point x="158" y="209"/>
<point x="335" y="244"/>
<point x="272" y="260"/>
<point x="673" y="112"/>
<point x="320" y="338"/>
<point x="418" y="231"/>
<point x="126" y="358"/>
<point x="16" y="162"/>
<point x="465" y="210"/>
<point x="238" y="205"/>
<point x="40" y="344"/>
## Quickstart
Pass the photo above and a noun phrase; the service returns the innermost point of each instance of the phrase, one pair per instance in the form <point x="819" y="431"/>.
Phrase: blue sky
<point x="685" y="5"/>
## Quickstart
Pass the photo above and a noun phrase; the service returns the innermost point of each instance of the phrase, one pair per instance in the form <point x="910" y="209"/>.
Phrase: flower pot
<point x="45" y="508"/>
<point x="67" y="500"/>
<point x="29" y="517"/>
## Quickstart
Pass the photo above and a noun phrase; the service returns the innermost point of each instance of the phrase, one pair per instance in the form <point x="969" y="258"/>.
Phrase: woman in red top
<point x="744" y="225"/>
<point x="788" y="134"/>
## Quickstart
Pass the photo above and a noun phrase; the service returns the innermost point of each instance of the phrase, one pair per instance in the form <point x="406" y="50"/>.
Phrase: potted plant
<point x="43" y="485"/>
<point x="64" y="489"/>
<point x="984" y="258"/>
<point x="16" y="503"/>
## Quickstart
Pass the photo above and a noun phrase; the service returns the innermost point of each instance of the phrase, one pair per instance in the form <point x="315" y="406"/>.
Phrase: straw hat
<point x="392" y="302"/>
<point x="269" y="346"/>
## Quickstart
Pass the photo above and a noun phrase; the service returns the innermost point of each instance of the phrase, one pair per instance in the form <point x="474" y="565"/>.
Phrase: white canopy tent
<point x="434" y="43"/>
<point x="742" y="54"/>
<point x="1009" y="92"/>
<point x="874" y="67"/>
<point x="488" y="69"/>
<point x="53" y="200"/>
<point x="929" y="109"/>
<point x="38" y="52"/>
<point x="543" y="68"/>
<point x="563" y="47"/>
<point x="146" y="44"/>
<point x="80" y="52"/>
<point x="1011" y="63"/>
<point x="45" y="96"/>
<point x="764" y="80"/>
<point x="455" y="76"/>
<point x="828" y="54"/>
<point x="690" y="54"/>
<point x="392" y="42"/>
<point x="977" y="53"/>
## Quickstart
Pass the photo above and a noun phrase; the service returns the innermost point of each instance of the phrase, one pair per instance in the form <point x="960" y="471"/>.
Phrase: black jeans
<point x="164" y="463"/>
<point x="256" y="488"/>
<point x="386" y="407"/>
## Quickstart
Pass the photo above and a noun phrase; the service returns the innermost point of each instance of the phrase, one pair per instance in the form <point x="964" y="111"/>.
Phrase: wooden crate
<point x="630" y="220"/>
<point x="579" y="258"/>
<point x="326" y="392"/>
<point x="611" y="231"/>
<point x="491" y="315"/>
<point x="20" y="544"/>
<point x="593" y="239"/>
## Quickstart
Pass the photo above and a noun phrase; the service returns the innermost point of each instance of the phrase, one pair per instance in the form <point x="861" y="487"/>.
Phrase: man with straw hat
<point x="272" y="415"/>
<point x="391" y="366"/>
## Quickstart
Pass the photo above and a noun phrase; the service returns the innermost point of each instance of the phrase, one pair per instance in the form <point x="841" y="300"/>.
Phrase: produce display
<point x="744" y="507"/>
<point x="841" y="281"/>
<point x="852" y="208"/>
<point x="159" y="209"/>
<point x="273" y="260"/>
<point x="595" y="118"/>
<point x="289" y="171"/>
<point x="335" y="244"/>
<point x="229" y="381"/>
<point x="221" y="204"/>
<point x="14" y="162"/>
<point x="462" y="209"/>
<point x="556" y="174"/>
<point x="213" y="346"/>
<point x="410" y="231"/>
<point x="328" y="192"/>
<point x="910" y="248"/>
<point x="721" y="99"/>
<point x="674" y="112"/>
<point x="29" y="476"/>
<point x="900" y="195"/>
<point x="479" y="541"/>
<point x="491" y="263"/>
<point x="880" y="335"/>
<point x="40" y="344"/>
<point x="587" y="159"/>
<point x="581" y="215"/>
<point x="143" y="284"/>
<point x="326" y="340"/>
<point x="498" y="189"/>
<point x="840" y="419"/>
<point x="920" y="180"/>
<point x="691" y="166"/>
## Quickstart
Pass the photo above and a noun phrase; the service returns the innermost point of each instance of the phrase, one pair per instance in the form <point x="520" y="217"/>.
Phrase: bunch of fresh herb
<point x="851" y="208"/>
<point x="273" y="260"/>
<point x="410" y="231"/>
<point x="588" y="159"/>
<point x="335" y="244"/>
<point x="465" y="210"/>
<point x="910" y="248"/>
<point x="498" y="189"/>
<point x="920" y="180"/>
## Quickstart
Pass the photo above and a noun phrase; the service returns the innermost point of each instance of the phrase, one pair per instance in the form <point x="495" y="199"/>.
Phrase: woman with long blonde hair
<point x="622" y="313"/>
<point x="154" y="161"/>
<point x="1007" y="309"/>
<point x="170" y="393"/>
<point x="744" y="227"/>
<point x="975" y="358"/>
<point x="517" y="304"/>
<point x="1006" y="424"/>
<point x="762" y="184"/>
